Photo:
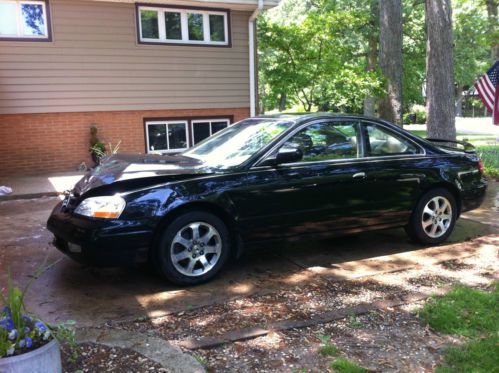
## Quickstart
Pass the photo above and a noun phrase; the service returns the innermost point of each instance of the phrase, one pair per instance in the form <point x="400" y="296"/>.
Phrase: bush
<point x="490" y="157"/>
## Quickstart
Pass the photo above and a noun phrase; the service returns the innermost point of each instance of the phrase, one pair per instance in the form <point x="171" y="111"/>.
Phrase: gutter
<point x="252" y="57"/>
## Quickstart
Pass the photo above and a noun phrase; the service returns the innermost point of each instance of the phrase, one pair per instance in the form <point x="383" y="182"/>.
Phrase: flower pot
<point x="42" y="360"/>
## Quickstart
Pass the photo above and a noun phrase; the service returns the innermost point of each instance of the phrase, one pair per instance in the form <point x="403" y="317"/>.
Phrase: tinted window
<point x="195" y="25"/>
<point x="381" y="141"/>
<point x="8" y="20"/>
<point x="201" y="131"/>
<point x="163" y="137"/>
<point x="157" y="137"/>
<point x="326" y="141"/>
<point x="33" y="19"/>
<point x="177" y="136"/>
<point x="173" y="26"/>
<point x="217" y="27"/>
<point x="149" y="24"/>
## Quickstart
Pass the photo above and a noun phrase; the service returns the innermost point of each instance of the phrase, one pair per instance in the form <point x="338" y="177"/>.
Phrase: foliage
<point x="490" y="157"/>
<point x="413" y="53"/>
<point x="471" y="53"/>
<point x="313" y="53"/>
<point x="315" y="62"/>
<point x="328" y="350"/>
<point x="96" y="146"/>
<point x="464" y="311"/>
<point x="471" y="313"/>
<point x="342" y="365"/>
<point x="478" y="356"/>
<point x="21" y="331"/>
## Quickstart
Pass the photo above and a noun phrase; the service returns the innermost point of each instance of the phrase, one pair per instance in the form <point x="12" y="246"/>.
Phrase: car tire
<point x="433" y="218"/>
<point x="192" y="249"/>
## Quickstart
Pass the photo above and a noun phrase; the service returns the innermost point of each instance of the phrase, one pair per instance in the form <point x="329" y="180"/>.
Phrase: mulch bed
<point x="95" y="358"/>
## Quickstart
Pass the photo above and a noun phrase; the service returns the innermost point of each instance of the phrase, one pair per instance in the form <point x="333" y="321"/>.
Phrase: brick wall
<point x="40" y="143"/>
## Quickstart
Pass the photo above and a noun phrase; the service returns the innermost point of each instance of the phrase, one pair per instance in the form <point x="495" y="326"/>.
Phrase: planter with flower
<point x="27" y="344"/>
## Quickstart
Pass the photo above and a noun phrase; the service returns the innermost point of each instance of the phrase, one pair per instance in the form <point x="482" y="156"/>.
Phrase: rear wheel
<point x="434" y="217"/>
<point x="192" y="249"/>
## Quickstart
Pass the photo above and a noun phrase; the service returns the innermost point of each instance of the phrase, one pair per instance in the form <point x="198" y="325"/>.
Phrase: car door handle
<point x="359" y="175"/>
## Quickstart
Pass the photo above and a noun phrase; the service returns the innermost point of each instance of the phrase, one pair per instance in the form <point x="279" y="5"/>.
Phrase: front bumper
<point x="100" y="242"/>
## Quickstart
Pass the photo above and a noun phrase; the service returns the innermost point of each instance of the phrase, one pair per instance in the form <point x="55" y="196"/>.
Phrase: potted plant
<point x="27" y="344"/>
<point x="97" y="148"/>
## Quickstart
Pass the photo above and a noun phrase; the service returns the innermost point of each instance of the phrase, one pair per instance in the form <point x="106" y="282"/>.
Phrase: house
<point x="157" y="76"/>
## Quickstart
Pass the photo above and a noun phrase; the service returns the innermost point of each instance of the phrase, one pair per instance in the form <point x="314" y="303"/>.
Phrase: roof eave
<point x="245" y="5"/>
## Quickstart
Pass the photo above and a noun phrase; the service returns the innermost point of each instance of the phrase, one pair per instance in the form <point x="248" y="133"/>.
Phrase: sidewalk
<point x="24" y="187"/>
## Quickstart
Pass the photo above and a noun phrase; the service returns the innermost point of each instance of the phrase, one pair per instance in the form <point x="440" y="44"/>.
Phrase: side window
<point x="381" y="141"/>
<point x="327" y="141"/>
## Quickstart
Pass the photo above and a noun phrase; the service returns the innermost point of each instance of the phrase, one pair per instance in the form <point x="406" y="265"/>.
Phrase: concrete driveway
<point x="95" y="296"/>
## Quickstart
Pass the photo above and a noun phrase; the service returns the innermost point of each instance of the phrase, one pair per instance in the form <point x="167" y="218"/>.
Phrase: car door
<point x="321" y="193"/>
<point x="393" y="166"/>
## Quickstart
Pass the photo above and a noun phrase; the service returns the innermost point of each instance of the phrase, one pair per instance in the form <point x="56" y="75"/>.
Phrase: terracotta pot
<point x="42" y="360"/>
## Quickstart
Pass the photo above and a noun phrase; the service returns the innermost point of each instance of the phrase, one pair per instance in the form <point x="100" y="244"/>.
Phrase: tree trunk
<point x="440" y="70"/>
<point x="459" y="101"/>
<point x="492" y="14"/>
<point x="282" y="102"/>
<point x="372" y="56"/>
<point x="390" y="58"/>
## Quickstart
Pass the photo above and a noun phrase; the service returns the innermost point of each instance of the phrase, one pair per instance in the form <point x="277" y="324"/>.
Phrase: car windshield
<point x="237" y="143"/>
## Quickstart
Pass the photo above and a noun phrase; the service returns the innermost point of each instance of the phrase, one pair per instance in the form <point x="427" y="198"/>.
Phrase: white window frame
<point x="166" y="124"/>
<point x="184" y="26"/>
<point x="19" y="20"/>
<point x="210" y="121"/>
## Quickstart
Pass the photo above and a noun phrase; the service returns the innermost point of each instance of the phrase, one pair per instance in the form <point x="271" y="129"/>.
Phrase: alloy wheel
<point x="196" y="249"/>
<point x="437" y="216"/>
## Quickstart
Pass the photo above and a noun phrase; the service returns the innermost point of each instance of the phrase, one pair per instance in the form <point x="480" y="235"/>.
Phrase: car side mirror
<point x="288" y="155"/>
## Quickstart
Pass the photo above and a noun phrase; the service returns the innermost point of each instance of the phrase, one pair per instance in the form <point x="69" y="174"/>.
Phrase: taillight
<point x="480" y="166"/>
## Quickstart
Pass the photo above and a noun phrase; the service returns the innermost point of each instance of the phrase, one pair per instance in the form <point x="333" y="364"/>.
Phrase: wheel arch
<point x="451" y="188"/>
<point x="204" y="206"/>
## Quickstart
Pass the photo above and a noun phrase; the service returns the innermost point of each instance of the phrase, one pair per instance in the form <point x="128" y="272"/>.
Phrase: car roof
<point x="305" y="117"/>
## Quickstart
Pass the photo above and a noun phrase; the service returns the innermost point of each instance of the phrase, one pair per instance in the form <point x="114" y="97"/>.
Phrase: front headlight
<point x="108" y="207"/>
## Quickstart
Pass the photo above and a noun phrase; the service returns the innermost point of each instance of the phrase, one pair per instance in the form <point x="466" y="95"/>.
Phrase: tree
<point x="440" y="70"/>
<point x="372" y="52"/>
<point x="492" y="6"/>
<point x="471" y="46"/>
<point x="390" y="59"/>
<point x="317" y="62"/>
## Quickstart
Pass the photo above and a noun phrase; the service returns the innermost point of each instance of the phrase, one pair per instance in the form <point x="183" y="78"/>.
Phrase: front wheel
<point x="434" y="217"/>
<point x="192" y="249"/>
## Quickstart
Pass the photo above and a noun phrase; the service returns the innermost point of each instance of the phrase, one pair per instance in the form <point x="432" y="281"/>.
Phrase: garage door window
<point x="165" y="137"/>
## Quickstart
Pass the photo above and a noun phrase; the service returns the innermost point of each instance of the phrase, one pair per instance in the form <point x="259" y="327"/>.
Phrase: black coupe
<point x="265" y="178"/>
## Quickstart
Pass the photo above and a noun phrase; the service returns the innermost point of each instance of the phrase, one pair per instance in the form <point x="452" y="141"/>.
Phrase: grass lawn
<point x="486" y="147"/>
<point x="473" y="314"/>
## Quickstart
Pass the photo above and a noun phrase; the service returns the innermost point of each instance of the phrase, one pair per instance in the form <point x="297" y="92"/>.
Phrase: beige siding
<point x="95" y="64"/>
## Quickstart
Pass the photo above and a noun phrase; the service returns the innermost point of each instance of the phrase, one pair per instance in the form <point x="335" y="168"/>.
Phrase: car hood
<point x="135" y="171"/>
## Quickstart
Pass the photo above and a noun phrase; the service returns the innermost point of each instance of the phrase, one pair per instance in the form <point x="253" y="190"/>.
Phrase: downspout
<point x="252" y="52"/>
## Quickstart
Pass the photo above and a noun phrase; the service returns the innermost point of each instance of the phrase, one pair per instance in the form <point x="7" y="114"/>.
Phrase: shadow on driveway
<point x="94" y="296"/>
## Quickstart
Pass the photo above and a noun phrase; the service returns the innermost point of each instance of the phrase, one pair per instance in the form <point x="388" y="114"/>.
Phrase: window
<point x="201" y="129"/>
<point x="164" y="137"/>
<point x="381" y="141"/>
<point x="183" y="26"/>
<point x="24" y="20"/>
<point x="327" y="141"/>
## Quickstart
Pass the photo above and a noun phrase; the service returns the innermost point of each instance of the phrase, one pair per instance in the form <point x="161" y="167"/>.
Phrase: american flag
<point x="488" y="88"/>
